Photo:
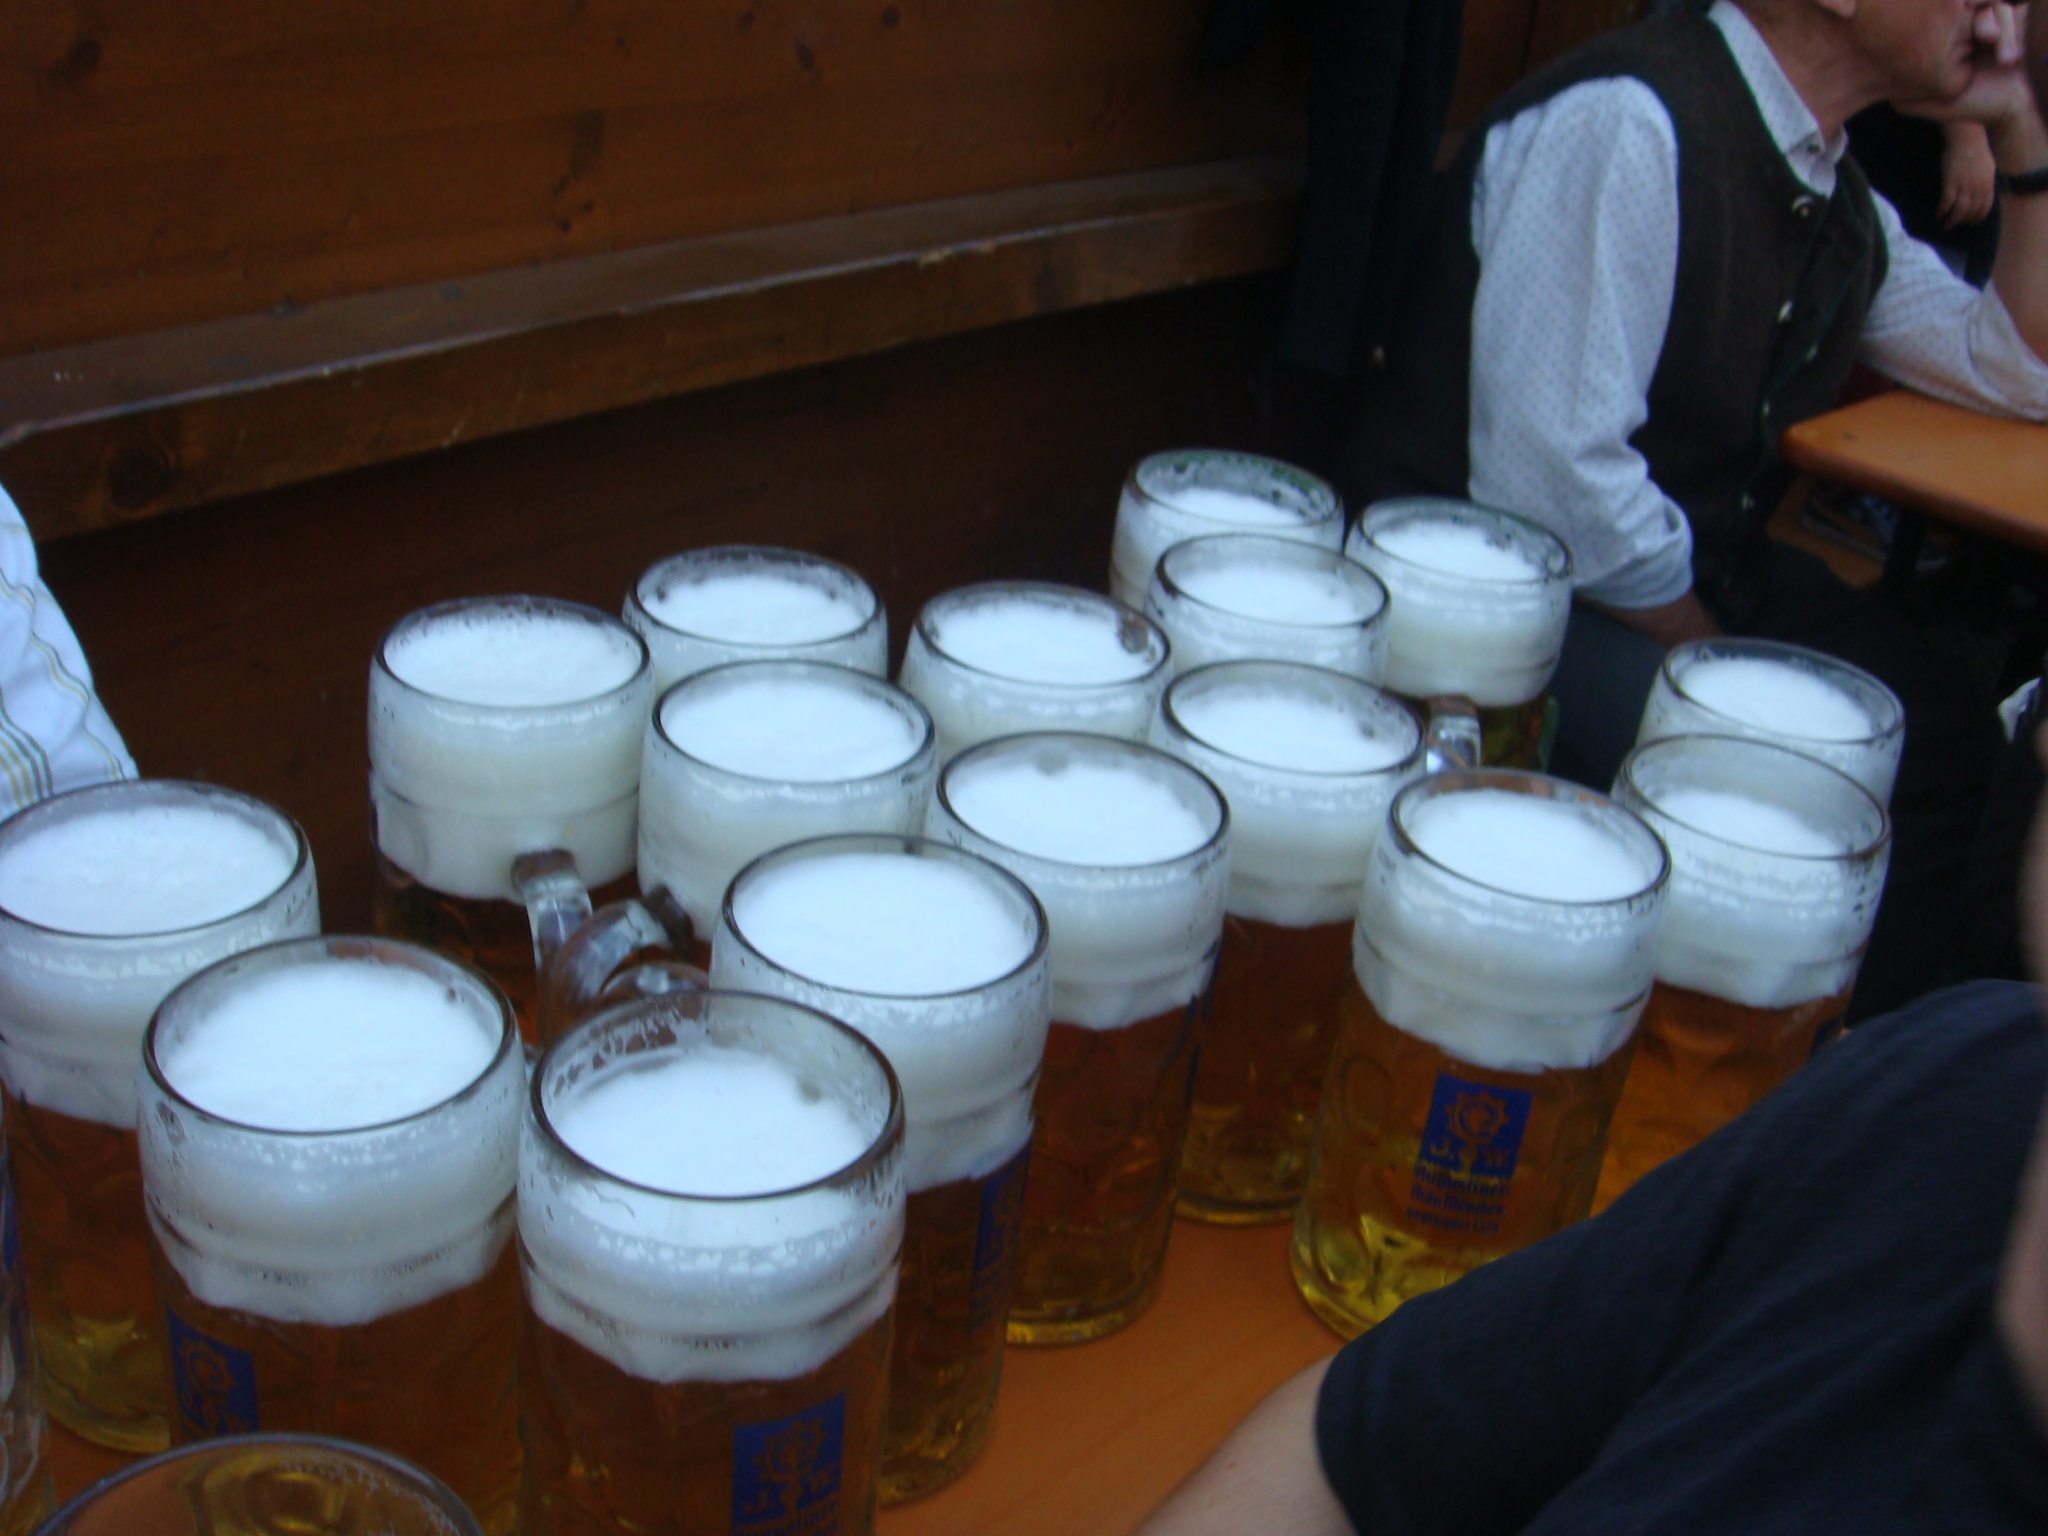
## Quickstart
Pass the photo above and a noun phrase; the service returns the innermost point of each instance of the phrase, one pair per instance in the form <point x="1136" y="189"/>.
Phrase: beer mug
<point x="109" y="897"/>
<point x="329" y="1138"/>
<point x="24" y="1433"/>
<point x="1477" y="605"/>
<point x="1251" y="597"/>
<point x="1771" y="691"/>
<point x="305" y="1484"/>
<point x="751" y="602"/>
<point x="1308" y="760"/>
<point x="500" y="726"/>
<point x="1128" y="850"/>
<point x="711" y="1203"/>
<point x="939" y="958"/>
<point x="1504" y="948"/>
<point x="1011" y="656"/>
<point x="1777" y="863"/>
<point x="744" y="758"/>
<point x="1192" y="491"/>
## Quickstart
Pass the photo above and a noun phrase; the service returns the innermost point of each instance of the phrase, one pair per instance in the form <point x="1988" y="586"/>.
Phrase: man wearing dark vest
<point x="1649" y="260"/>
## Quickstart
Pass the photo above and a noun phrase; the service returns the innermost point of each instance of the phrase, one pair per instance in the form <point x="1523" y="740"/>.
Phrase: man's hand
<point x="1997" y="95"/>
<point x="1265" y="1478"/>
<point x="1668" y="624"/>
<point x="1969" y="175"/>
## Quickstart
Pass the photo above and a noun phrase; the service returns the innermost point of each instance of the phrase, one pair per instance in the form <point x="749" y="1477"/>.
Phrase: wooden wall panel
<point x="232" y="642"/>
<point x="169" y="163"/>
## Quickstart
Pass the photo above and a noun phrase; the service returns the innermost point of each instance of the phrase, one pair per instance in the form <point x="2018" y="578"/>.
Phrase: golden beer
<point x="24" y="1432"/>
<point x="1264" y="1053"/>
<point x="1479" y="602"/>
<point x="245" y="1484"/>
<point x="1128" y="850"/>
<point x="329" y="1143"/>
<point x="1778" y="861"/>
<point x="1112" y="1111"/>
<point x="109" y="897"/>
<point x="1308" y="760"/>
<point x="429" y="1382"/>
<point x="494" y="936"/>
<point x="939" y="958"/>
<point x="1409" y="1191"/>
<point x="715" y="1362"/>
<point x="1503" y="951"/>
<point x="1700" y="1061"/>
<point x="501" y="726"/>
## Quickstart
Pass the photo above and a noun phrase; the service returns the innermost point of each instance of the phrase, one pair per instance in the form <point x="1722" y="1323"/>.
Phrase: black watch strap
<point x="2026" y="183"/>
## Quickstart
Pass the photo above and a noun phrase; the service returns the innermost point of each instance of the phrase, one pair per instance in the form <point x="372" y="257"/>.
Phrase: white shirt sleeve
<point x="1575" y="224"/>
<point x="54" y="734"/>
<point x="1930" y="329"/>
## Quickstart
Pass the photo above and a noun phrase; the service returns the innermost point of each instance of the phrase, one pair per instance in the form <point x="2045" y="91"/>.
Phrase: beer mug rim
<point x="835" y="672"/>
<point x="414" y="1479"/>
<point x="1215" y="672"/>
<point x="1540" y="785"/>
<point x="516" y="602"/>
<point x="1887" y="714"/>
<point x="736" y="554"/>
<point x="911" y="845"/>
<point x="1787" y="760"/>
<point x="1104" y="745"/>
<point x="1077" y="597"/>
<point x="302" y="856"/>
<point x="1285" y="550"/>
<point x="1322" y="503"/>
<point x="1557" y="564"/>
<point x="282" y="954"/>
<point x="627" y="1014"/>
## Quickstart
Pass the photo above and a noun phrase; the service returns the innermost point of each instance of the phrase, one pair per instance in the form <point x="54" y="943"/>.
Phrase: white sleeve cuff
<point x="1663" y="575"/>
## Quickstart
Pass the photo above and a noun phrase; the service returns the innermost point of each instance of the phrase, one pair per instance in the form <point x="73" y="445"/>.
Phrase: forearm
<point x="1668" y="624"/>
<point x="2020" y="272"/>
<point x="1265" y="1477"/>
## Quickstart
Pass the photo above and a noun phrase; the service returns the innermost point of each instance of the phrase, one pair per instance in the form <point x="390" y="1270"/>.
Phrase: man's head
<point x="1846" y="54"/>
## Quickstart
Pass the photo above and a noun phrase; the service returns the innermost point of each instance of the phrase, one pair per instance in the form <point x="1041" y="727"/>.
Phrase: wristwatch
<point x="2024" y="184"/>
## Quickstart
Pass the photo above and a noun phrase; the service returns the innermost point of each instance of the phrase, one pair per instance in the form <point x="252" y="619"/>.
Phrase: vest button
<point x="1784" y="312"/>
<point x="1803" y="208"/>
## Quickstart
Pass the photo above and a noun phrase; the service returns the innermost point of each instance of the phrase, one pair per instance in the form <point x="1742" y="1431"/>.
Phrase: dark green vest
<point x="1773" y="285"/>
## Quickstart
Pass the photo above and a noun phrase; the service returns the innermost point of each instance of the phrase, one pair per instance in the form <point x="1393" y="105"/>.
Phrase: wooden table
<point x="1979" y="472"/>
<point x="1089" y="1438"/>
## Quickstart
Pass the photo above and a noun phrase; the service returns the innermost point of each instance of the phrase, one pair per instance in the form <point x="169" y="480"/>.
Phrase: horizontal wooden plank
<point x="165" y="166"/>
<point x="108" y="432"/>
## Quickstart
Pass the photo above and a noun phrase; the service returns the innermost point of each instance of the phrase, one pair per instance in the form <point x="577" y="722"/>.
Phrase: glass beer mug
<point x="1189" y="492"/>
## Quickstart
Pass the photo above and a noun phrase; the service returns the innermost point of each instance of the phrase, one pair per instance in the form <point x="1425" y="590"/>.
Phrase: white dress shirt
<point x="1575" y="224"/>
<point x="54" y="734"/>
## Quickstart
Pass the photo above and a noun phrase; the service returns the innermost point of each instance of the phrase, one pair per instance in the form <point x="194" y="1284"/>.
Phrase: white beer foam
<point x="74" y="1005"/>
<point x="1308" y="764"/>
<point x="1238" y="597"/>
<point x="792" y="728"/>
<point x="1457" y="549"/>
<point x="1107" y="837"/>
<point x="740" y="602"/>
<point x="1783" y="700"/>
<point x="908" y="949"/>
<point x="1013" y="658"/>
<point x="1176" y="496"/>
<point x="1501" y="980"/>
<point x="1796" y="698"/>
<point x="330" y="1223"/>
<point x="537" y="746"/>
<point x="334" y="1047"/>
<point x="762" y="606"/>
<point x="1766" y="910"/>
<point x="720" y="1290"/>
<point x="518" y="659"/>
<point x="142" y="869"/>
<point x="1469" y="611"/>
<point x="701" y="824"/>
